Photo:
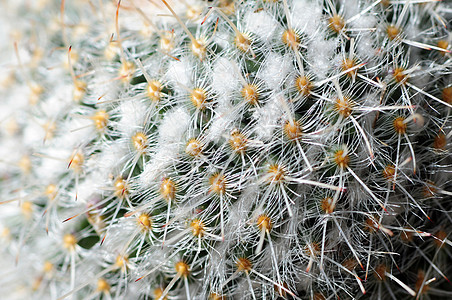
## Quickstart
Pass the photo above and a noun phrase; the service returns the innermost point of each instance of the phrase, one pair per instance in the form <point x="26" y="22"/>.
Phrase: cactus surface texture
<point x="225" y="149"/>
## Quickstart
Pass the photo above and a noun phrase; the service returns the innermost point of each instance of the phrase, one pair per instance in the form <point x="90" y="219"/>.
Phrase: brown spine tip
<point x="336" y="23"/>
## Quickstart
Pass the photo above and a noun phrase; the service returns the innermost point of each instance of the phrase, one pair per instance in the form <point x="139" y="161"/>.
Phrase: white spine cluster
<point x="262" y="149"/>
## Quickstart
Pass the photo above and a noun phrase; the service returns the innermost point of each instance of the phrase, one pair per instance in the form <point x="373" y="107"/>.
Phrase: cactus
<point x="261" y="149"/>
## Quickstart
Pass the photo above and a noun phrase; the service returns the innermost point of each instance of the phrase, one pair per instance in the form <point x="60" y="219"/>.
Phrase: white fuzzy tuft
<point x="306" y="16"/>
<point x="174" y="126"/>
<point x="275" y="70"/>
<point x="133" y="115"/>
<point x="224" y="76"/>
<point x="261" y="24"/>
<point x="179" y="73"/>
<point x="267" y="118"/>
